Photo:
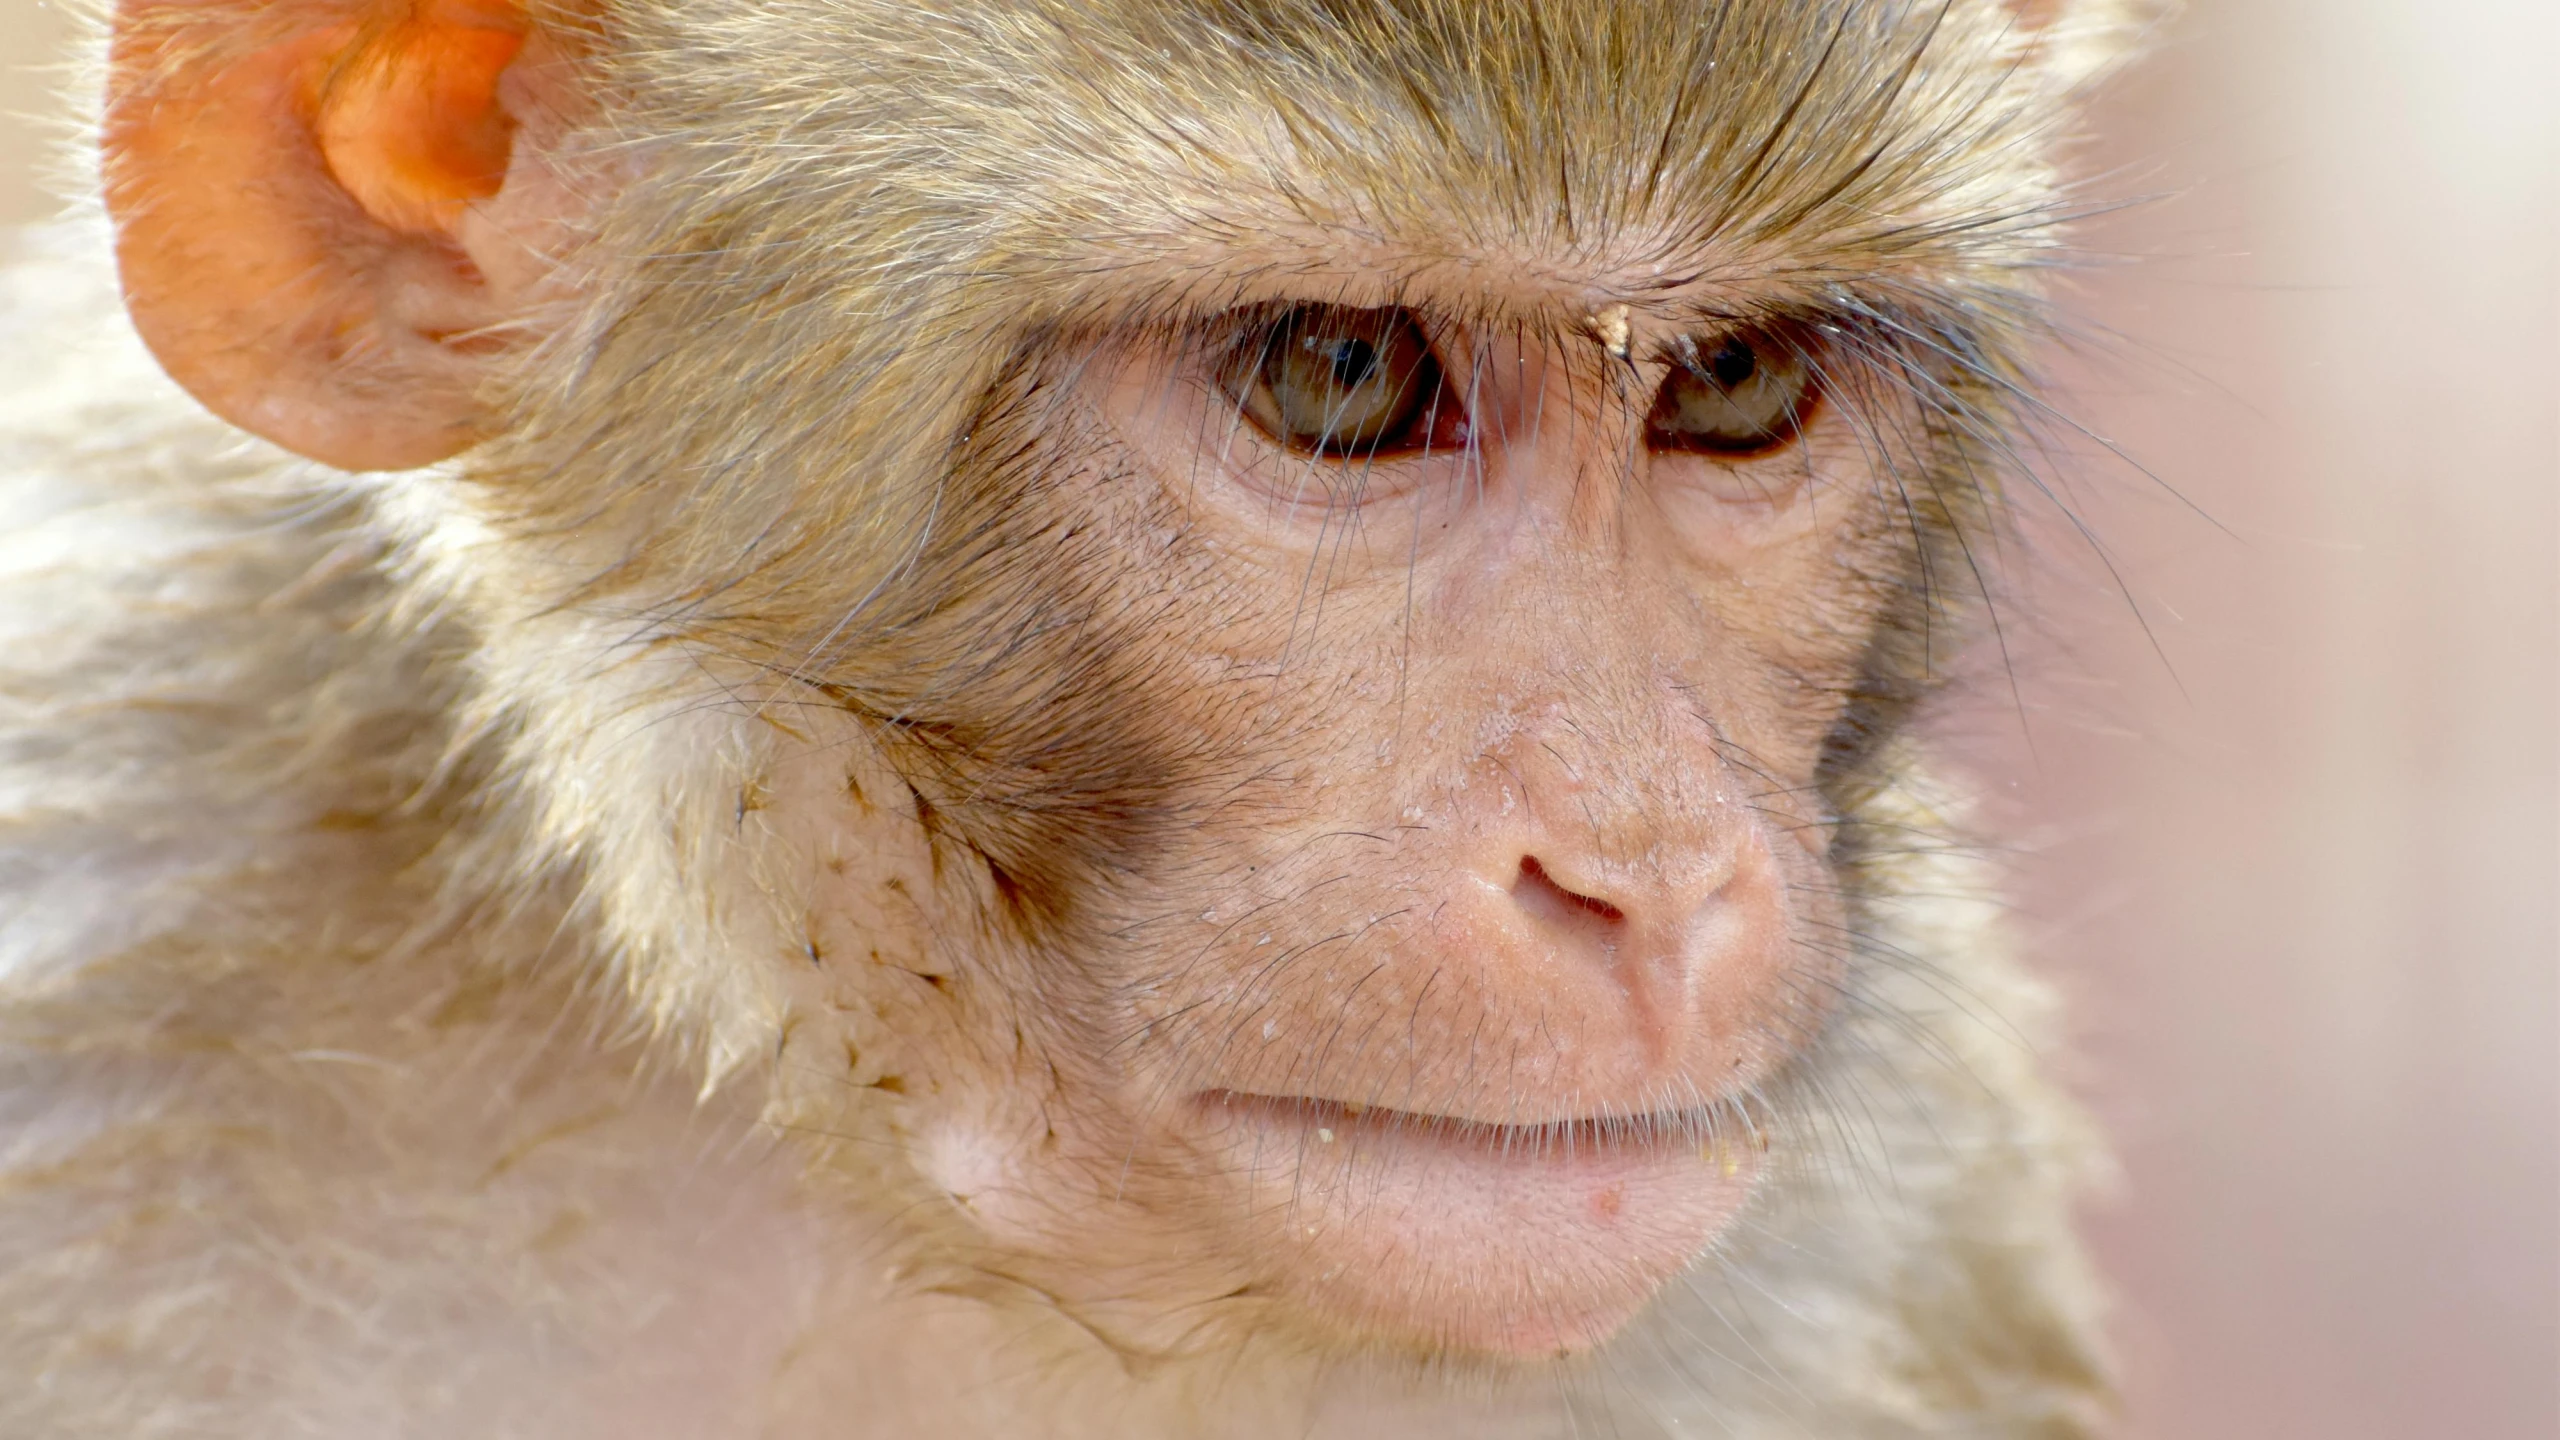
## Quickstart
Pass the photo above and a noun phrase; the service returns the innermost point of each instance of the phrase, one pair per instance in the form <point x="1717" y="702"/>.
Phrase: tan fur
<point x="397" y="1034"/>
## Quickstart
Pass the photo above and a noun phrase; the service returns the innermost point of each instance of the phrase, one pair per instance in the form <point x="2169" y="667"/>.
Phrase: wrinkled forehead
<point x="1532" y="151"/>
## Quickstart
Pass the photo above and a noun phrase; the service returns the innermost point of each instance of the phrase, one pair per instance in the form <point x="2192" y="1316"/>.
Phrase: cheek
<point x="1790" y="578"/>
<point x="864" y="910"/>
<point x="1728" y="519"/>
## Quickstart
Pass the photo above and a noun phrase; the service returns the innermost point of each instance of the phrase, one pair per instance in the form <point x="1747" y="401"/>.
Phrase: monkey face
<point x="1389" y="812"/>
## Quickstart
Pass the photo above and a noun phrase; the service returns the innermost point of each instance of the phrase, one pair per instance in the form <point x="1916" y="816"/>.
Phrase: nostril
<point x="1536" y="886"/>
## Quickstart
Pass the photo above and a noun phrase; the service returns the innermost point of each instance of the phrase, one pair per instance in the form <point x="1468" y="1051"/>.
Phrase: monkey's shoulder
<point x="264" y="1054"/>
<point x="197" y="657"/>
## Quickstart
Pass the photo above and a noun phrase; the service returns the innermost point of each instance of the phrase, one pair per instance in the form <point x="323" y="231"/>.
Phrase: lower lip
<point x="1501" y="1240"/>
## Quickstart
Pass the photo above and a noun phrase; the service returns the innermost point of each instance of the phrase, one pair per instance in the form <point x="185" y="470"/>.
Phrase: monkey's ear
<point x="2079" y="41"/>
<point x="325" y="222"/>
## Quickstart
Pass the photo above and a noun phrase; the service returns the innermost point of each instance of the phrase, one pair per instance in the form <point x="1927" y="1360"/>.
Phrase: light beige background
<point x="2293" y="848"/>
<point x="31" y="37"/>
<point x="2299" y="862"/>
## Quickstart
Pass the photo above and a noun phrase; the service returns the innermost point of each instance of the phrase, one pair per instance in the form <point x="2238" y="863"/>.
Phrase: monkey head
<point x="1243" y="651"/>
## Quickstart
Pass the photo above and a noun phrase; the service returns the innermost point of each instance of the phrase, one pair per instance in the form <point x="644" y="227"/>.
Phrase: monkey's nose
<point x="1560" y="906"/>
<point x="1652" y="925"/>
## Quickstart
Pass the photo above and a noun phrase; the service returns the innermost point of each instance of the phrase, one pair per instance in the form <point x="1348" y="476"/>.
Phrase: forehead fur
<point x="1632" y="146"/>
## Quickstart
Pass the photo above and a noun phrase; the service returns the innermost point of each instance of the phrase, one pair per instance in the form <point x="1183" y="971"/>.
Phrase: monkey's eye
<point x="1738" y="395"/>
<point x="1335" y="381"/>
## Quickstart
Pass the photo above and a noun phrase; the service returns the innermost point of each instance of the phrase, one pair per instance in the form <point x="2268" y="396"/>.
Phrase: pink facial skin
<point x="1444" y="1031"/>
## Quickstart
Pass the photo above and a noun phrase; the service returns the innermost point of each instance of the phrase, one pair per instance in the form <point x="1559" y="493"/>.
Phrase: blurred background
<point x="2288" y="779"/>
<point x="2282" y="763"/>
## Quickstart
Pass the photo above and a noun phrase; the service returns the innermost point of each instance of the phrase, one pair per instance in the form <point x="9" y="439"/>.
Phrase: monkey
<point x="1030" y="718"/>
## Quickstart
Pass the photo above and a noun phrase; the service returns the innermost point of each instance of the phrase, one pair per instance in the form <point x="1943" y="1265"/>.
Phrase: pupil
<point x="1353" y="360"/>
<point x="1732" y="363"/>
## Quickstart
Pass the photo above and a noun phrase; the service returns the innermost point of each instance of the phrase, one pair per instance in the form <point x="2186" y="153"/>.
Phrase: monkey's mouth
<point x="1509" y="1240"/>
<point x="1704" y="1129"/>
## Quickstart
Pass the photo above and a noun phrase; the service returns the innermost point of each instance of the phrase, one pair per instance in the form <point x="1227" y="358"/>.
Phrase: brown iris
<point x="1336" y="381"/>
<point x="1736" y="395"/>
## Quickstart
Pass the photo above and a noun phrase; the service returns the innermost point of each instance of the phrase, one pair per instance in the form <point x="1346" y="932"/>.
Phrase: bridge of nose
<point x="1561" y="441"/>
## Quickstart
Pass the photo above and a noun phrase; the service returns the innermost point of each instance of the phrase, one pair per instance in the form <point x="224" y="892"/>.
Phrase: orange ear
<point x="290" y="203"/>
<point x="412" y="125"/>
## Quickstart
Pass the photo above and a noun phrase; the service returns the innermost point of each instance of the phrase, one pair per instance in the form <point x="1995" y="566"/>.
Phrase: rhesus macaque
<point x="831" y="718"/>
